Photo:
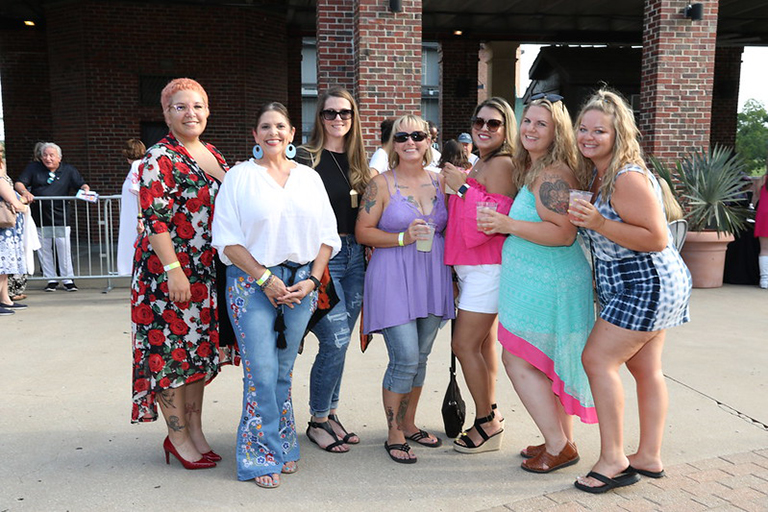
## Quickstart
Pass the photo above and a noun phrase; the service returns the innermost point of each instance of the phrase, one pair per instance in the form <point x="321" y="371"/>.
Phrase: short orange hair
<point x="180" y="84"/>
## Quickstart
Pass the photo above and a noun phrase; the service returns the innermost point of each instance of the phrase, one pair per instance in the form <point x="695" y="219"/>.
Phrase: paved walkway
<point x="66" y="442"/>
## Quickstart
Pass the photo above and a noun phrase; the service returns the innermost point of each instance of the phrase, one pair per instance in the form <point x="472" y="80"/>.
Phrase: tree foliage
<point x="752" y="136"/>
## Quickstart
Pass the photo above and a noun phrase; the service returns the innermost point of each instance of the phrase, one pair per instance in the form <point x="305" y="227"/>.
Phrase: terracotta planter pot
<point x="704" y="253"/>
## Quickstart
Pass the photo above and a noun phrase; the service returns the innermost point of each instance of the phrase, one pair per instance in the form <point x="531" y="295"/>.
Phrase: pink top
<point x="464" y="244"/>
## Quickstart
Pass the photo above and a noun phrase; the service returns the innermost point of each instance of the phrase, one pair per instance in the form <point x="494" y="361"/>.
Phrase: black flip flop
<point x="400" y="448"/>
<point x="423" y="434"/>
<point x="649" y="474"/>
<point x="627" y="477"/>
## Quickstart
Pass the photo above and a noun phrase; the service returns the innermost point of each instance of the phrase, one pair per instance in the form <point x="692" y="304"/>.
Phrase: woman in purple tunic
<point x="407" y="292"/>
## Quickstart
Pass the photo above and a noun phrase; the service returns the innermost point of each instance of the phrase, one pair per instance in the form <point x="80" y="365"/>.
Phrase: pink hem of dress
<point x="519" y="347"/>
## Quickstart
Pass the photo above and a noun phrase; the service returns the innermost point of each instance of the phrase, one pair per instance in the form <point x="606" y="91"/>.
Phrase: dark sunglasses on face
<point x="330" y="115"/>
<point x="492" y="124"/>
<point x="552" y="98"/>
<point x="415" y="136"/>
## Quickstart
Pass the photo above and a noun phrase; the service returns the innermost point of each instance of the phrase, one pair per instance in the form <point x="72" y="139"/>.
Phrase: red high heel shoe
<point x="212" y="456"/>
<point x="203" y="463"/>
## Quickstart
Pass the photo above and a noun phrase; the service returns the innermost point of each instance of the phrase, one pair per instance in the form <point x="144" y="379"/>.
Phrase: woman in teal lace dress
<point x="545" y="307"/>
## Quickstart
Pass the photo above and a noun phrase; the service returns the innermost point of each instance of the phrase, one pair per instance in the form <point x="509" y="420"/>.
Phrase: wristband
<point x="172" y="266"/>
<point x="140" y="216"/>
<point x="401" y="239"/>
<point x="462" y="190"/>
<point x="260" y="281"/>
<point x="314" y="280"/>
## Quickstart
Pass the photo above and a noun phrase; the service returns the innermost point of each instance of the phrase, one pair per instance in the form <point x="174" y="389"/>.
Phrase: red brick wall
<point x="725" y="95"/>
<point x="387" y="63"/>
<point x="98" y="51"/>
<point x="335" y="51"/>
<point x="458" y="85"/>
<point x="294" y="82"/>
<point x="26" y="94"/>
<point x="677" y="79"/>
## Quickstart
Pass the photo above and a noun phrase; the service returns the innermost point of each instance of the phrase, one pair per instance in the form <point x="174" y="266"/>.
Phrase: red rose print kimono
<point x="173" y="343"/>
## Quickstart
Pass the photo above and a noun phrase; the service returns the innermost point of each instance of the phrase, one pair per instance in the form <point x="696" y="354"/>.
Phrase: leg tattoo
<point x="166" y="398"/>
<point x="175" y="424"/>
<point x="401" y="412"/>
<point x="390" y="417"/>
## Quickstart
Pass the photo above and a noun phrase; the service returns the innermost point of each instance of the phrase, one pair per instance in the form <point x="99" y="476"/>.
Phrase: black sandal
<point x="400" y="448"/>
<point x="489" y="443"/>
<point x="421" y="435"/>
<point x="347" y="435"/>
<point x="325" y="426"/>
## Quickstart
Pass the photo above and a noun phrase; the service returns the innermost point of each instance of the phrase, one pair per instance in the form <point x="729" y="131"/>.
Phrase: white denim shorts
<point x="479" y="287"/>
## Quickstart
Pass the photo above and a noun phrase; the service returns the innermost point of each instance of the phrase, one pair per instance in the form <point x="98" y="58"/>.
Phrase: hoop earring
<point x="257" y="152"/>
<point x="290" y="151"/>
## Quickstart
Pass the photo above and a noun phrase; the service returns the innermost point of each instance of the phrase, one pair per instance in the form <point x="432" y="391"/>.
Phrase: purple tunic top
<point x="401" y="283"/>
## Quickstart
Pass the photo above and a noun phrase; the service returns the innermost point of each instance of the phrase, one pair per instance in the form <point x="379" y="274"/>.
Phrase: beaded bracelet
<point x="267" y="282"/>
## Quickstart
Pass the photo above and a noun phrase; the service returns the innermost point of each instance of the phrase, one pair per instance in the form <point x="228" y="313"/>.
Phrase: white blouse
<point x="274" y="223"/>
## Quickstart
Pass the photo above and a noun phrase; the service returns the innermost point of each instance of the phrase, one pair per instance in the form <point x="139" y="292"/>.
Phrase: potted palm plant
<point x="710" y="187"/>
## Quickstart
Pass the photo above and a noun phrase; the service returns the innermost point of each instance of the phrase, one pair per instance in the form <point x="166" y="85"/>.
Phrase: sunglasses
<point x="330" y="115"/>
<point x="493" y="124"/>
<point x="552" y="98"/>
<point x="414" y="136"/>
<point x="51" y="177"/>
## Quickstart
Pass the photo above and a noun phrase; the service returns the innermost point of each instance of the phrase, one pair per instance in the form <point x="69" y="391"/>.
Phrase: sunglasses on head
<point x="415" y="136"/>
<point x="329" y="114"/>
<point x="493" y="124"/>
<point x="552" y="98"/>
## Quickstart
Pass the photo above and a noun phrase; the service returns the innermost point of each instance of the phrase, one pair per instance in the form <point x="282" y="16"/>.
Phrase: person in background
<point x="51" y="177"/>
<point x="275" y="229"/>
<point x="130" y="221"/>
<point x="465" y="140"/>
<point x="174" y="314"/>
<point x="407" y="291"/>
<point x="546" y="309"/>
<point x="476" y="260"/>
<point x="380" y="159"/>
<point x="336" y="151"/>
<point x="642" y="284"/>
<point x="434" y="137"/>
<point x="453" y="153"/>
<point x="12" y="258"/>
<point x="761" y="232"/>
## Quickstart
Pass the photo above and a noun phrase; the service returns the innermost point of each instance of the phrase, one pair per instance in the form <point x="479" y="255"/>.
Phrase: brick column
<point x="387" y="63"/>
<point x="458" y="85"/>
<point x="294" y="44"/>
<point x="677" y="79"/>
<point x="725" y="95"/>
<point x="335" y="51"/>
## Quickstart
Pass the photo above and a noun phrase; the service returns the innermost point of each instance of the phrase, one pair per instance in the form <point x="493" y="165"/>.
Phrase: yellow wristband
<point x="260" y="281"/>
<point x="401" y="239"/>
<point x="172" y="266"/>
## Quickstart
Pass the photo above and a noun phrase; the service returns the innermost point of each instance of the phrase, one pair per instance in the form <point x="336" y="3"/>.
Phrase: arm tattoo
<point x="175" y="424"/>
<point x="554" y="194"/>
<point x="166" y="398"/>
<point x="369" y="196"/>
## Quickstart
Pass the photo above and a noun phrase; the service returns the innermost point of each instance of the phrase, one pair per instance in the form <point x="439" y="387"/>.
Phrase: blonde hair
<point x="562" y="150"/>
<point x="672" y="208"/>
<point x="510" y="126"/>
<point x="359" y="172"/>
<point x="394" y="158"/>
<point x="626" y="146"/>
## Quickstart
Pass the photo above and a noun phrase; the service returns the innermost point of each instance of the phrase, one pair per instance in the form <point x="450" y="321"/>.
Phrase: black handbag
<point x="454" y="409"/>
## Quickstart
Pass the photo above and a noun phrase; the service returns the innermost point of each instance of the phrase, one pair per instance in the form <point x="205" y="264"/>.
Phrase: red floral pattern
<point x="174" y="343"/>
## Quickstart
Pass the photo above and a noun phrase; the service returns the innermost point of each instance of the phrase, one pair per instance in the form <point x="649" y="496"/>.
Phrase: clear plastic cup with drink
<point x="483" y="207"/>
<point x="425" y="237"/>
<point x="586" y="195"/>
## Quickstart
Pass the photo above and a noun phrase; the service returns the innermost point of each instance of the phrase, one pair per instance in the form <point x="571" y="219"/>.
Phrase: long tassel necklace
<point x="352" y="192"/>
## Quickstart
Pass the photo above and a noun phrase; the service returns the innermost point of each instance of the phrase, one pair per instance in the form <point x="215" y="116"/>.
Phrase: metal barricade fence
<point x="92" y="231"/>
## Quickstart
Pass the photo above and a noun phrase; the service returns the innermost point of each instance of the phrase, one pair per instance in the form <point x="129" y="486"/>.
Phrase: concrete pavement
<point x="66" y="442"/>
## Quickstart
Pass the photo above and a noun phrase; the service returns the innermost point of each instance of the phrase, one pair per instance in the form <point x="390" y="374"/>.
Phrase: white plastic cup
<point x="483" y="207"/>
<point x="586" y="195"/>
<point x="425" y="237"/>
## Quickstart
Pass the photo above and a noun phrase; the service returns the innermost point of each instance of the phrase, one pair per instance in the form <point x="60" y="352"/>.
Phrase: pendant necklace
<point x="352" y="192"/>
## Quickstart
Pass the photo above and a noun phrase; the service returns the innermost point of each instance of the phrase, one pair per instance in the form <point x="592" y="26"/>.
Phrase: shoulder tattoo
<point x="554" y="194"/>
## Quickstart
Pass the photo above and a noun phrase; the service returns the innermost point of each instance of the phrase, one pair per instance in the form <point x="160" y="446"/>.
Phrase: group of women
<point x="290" y="227"/>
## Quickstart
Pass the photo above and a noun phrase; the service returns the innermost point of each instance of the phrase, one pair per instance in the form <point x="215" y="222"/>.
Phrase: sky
<point x="754" y="73"/>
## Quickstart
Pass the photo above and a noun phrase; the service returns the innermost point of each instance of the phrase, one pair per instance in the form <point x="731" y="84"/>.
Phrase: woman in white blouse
<point x="275" y="229"/>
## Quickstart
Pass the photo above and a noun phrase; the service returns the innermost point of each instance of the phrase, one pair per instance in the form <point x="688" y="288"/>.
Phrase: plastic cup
<point x="425" y="238"/>
<point x="577" y="194"/>
<point x="483" y="207"/>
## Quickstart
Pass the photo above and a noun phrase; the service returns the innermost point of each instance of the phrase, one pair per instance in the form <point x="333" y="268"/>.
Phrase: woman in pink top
<point x="476" y="258"/>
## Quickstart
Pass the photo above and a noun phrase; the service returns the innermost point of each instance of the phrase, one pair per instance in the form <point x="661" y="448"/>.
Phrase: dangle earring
<point x="290" y="151"/>
<point x="257" y="152"/>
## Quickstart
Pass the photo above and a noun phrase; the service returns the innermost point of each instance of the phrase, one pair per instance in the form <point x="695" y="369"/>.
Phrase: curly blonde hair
<point x="562" y="150"/>
<point x="626" y="146"/>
